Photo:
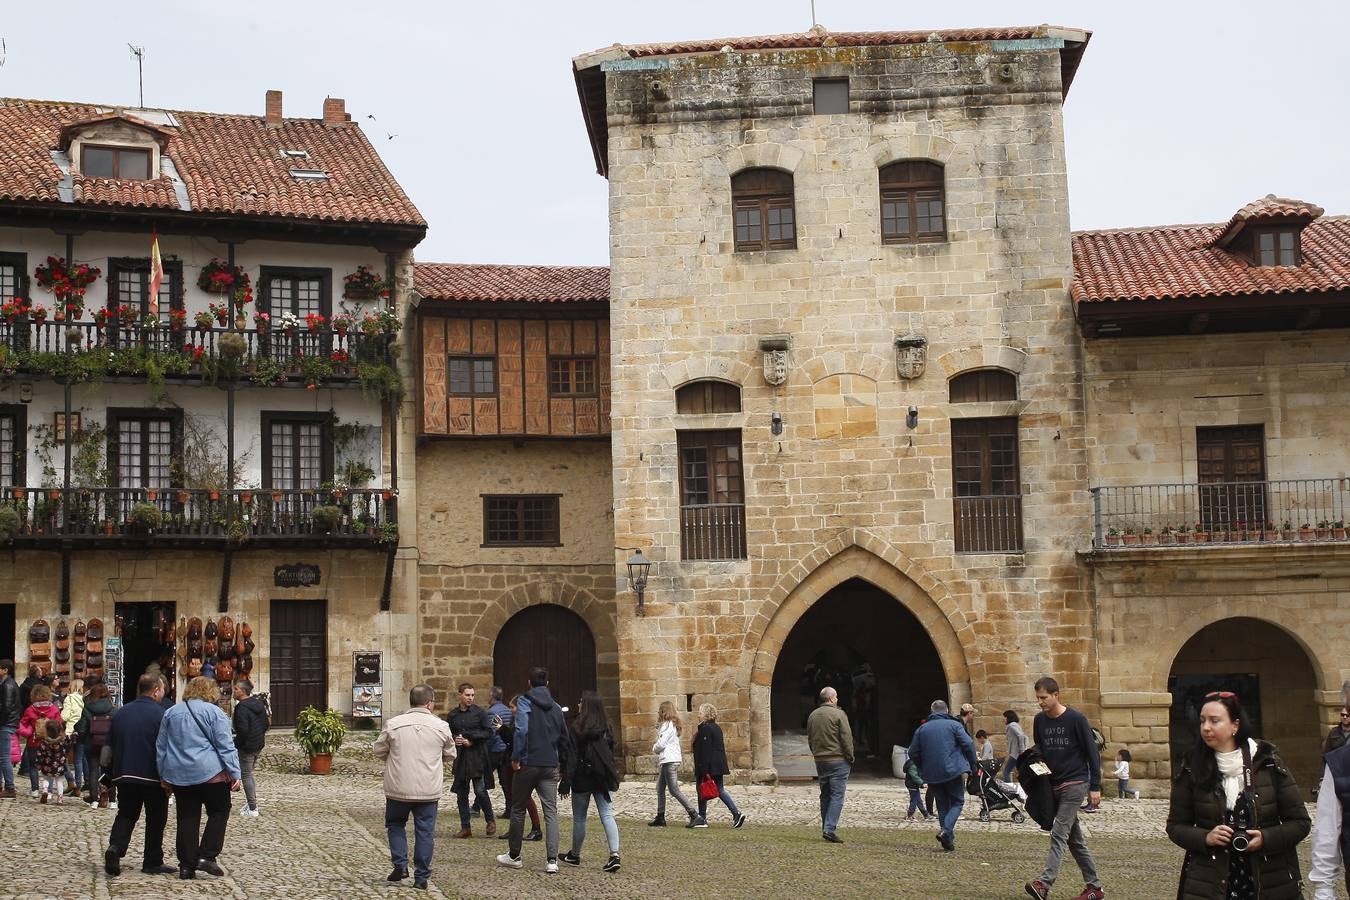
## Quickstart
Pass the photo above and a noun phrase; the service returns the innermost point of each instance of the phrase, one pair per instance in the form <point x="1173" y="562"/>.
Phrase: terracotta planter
<point x="1183" y="537"/>
<point x="1338" y="533"/>
<point x="1148" y="539"/>
<point x="17" y="493"/>
<point x="1130" y="540"/>
<point x="246" y="497"/>
<point x="1289" y="535"/>
<point x="321" y="764"/>
<point x="1202" y="537"/>
<point x="1305" y="534"/>
<point x="53" y="495"/>
<point x="108" y="527"/>
<point x="152" y="495"/>
<point x="1167" y="538"/>
<point x="1270" y="536"/>
<point x="1323" y="534"/>
<point x="182" y="496"/>
<point x="214" y="495"/>
<point x="276" y="496"/>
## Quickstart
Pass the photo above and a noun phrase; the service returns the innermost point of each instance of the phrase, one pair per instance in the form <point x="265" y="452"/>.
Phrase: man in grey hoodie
<point x="539" y="749"/>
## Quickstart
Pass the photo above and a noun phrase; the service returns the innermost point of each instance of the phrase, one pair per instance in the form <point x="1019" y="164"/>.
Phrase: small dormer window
<point x="127" y="163"/>
<point x="1276" y="247"/>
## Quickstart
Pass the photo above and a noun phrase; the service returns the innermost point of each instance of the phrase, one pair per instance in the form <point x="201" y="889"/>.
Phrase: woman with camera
<point x="1236" y="811"/>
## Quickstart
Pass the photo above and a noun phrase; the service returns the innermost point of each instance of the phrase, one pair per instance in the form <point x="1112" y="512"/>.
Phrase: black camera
<point x="1239" y="819"/>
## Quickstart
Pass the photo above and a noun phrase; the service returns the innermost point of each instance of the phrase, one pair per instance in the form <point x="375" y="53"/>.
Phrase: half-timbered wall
<point x="521" y="400"/>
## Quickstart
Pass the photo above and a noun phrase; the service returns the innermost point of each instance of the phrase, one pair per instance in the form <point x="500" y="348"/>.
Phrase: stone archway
<point x="1272" y="673"/>
<point x="861" y="556"/>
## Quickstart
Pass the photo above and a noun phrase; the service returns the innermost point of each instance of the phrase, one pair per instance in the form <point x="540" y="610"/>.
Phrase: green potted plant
<point x="1270" y="532"/>
<point x="326" y="517"/>
<point x="389" y="532"/>
<point x="10" y="523"/>
<point x="1305" y="532"/>
<point x="1338" y="530"/>
<point x="1184" y="534"/>
<point x="320" y="733"/>
<point x="145" y="516"/>
<point x="1323" y="530"/>
<point x="1131" y="539"/>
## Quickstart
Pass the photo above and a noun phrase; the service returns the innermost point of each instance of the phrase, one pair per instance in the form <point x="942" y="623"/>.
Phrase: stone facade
<point x="848" y="490"/>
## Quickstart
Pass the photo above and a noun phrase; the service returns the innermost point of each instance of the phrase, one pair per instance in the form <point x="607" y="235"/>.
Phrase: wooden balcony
<point x="1295" y="511"/>
<point x="175" y="518"/>
<point x="86" y="351"/>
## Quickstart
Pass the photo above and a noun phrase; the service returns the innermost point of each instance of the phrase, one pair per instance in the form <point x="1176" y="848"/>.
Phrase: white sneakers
<point x="249" y="813"/>
<point x="504" y="859"/>
<point x="551" y="867"/>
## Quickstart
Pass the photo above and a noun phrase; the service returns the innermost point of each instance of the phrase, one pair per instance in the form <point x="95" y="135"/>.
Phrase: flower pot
<point x="240" y="322"/>
<point x="17" y="493"/>
<point x="1202" y="537"/>
<point x="1183" y="537"/>
<point x="1113" y="540"/>
<point x="54" y="495"/>
<point x="358" y="293"/>
<point x="214" y="495"/>
<point x="276" y="496"/>
<point x="1338" y="534"/>
<point x="389" y="495"/>
<point x="1270" y="535"/>
<point x="321" y="764"/>
<point x="108" y="527"/>
<point x="1323" y="534"/>
<point x="1305" y="534"/>
<point x="58" y="314"/>
<point x="1131" y="540"/>
<point x="182" y="496"/>
<point x="152" y="495"/>
<point x="246" y="497"/>
<point x="1167" y="538"/>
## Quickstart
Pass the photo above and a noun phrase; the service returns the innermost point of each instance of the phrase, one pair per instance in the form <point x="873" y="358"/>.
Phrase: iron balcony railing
<point x="988" y="524"/>
<point x="169" y="513"/>
<point x="1305" y="509"/>
<point x="287" y="349"/>
<point x="712" y="531"/>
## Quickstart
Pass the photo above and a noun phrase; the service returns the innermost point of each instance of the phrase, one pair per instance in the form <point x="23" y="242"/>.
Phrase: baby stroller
<point x="994" y="794"/>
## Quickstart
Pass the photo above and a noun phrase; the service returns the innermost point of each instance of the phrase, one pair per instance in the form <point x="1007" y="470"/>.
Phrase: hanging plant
<point x="177" y="320"/>
<point x="67" y="282"/>
<point x="39" y="313"/>
<point x="219" y="277"/>
<point x="363" y="284"/>
<point x="221" y="312"/>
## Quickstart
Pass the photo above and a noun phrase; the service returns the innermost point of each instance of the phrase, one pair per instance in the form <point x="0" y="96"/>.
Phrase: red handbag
<point x="707" y="788"/>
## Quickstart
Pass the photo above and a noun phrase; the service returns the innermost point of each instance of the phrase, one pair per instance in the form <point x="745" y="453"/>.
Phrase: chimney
<point x="334" y="111"/>
<point x="273" y="108"/>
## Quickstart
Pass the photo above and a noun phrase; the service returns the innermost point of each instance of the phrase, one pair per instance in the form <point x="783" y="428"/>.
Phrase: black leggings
<point x="194" y="842"/>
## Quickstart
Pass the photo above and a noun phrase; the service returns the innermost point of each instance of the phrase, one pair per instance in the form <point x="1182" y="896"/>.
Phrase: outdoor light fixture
<point x="776" y="424"/>
<point x="638" y="567"/>
<point x="912" y="419"/>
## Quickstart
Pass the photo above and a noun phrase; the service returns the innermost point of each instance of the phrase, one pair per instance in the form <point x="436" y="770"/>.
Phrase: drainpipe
<point x="229" y="403"/>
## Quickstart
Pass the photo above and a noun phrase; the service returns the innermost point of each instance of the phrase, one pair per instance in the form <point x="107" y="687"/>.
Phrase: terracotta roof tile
<point x="229" y="164"/>
<point x="1181" y="262"/>
<point x="468" y="282"/>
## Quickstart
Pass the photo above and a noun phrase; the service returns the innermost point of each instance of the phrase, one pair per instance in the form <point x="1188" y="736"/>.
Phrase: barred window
<point x="521" y="520"/>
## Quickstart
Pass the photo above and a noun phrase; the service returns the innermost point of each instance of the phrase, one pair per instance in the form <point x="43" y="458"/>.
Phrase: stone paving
<point x="323" y="837"/>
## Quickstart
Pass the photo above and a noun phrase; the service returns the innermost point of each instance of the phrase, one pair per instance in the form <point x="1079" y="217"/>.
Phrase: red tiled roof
<point x="468" y="281"/>
<point x="1181" y="261"/>
<point x="821" y="37"/>
<point x="229" y="164"/>
<point x="1269" y="208"/>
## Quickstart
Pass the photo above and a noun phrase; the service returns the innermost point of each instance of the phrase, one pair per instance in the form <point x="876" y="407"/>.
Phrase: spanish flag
<point x="156" y="273"/>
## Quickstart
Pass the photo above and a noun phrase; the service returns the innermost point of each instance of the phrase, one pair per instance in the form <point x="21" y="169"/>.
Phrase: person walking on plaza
<point x="1236" y="811"/>
<point x="51" y="755"/>
<point x="986" y="751"/>
<point x="10" y="710"/>
<point x="541" y="746"/>
<point x="710" y="762"/>
<point x="469" y="724"/>
<point x="98" y="713"/>
<point x="72" y="711"/>
<point x="415" y="747"/>
<point x="591" y="774"/>
<point x="1339" y="734"/>
<point x="945" y="754"/>
<point x="502" y="721"/>
<point x="1017" y="743"/>
<point x="40" y="709"/>
<point x="250" y="736"/>
<point x="667" y="749"/>
<point x="831" y="743"/>
<point x="1065" y="740"/>
<point x="130" y="762"/>
<point x="914" y="783"/>
<point x="198" y="759"/>
<point x="508" y="732"/>
<point x="1331" y="842"/>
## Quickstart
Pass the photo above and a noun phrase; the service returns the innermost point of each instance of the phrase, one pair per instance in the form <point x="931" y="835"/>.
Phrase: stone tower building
<point x="847" y="420"/>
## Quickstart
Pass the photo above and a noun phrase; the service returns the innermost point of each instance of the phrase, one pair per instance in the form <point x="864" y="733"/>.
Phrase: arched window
<point x="762" y="201"/>
<point x="913" y="202"/>
<point x="707" y="396"/>
<point x="982" y="386"/>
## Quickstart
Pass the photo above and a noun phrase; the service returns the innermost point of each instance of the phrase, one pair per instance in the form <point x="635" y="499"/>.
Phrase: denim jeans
<point x="480" y="796"/>
<point x="81" y="767"/>
<point x="527" y="779"/>
<point x="721" y="795"/>
<point x="833" y="778"/>
<point x="6" y="767"/>
<point x="246" y="763"/>
<point x="604" y="809"/>
<point x="1009" y="768"/>
<point x="951" y="796"/>
<point x="1066" y="833"/>
<point x="916" y="804"/>
<point x="424" y="830"/>
<point x="1122" y="788"/>
<point x="669" y="779"/>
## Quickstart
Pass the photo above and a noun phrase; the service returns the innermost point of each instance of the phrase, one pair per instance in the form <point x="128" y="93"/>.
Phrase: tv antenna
<point x="813" y="13"/>
<point x="139" y="53"/>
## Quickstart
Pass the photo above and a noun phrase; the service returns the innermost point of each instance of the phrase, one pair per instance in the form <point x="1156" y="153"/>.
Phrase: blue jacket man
<point x="539" y="749"/>
<point x="130" y="762"/>
<point x="944" y="752"/>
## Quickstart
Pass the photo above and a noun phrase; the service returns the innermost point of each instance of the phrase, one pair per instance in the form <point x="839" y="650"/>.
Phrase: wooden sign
<point x="298" y="575"/>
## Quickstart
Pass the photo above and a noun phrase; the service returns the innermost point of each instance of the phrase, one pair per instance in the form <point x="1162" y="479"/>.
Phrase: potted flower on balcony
<point x="67" y="281"/>
<point x="1129" y="537"/>
<point x="261" y="321"/>
<point x="145" y="516"/>
<point x="177" y="320"/>
<point x="1338" y="530"/>
<point x="1148" y="537"/>
<point x="221" y="313"/>
<point x="363" y="284"/>
<point x="149" y="323"/>
<point x="15" y="310"/>
<point x="1201" y="533"/>
<point x="203" y="318"/>
<point x="219" y="277"/>
<point x="289" y="323"/>
<point x="326" y="518"/>
<point x="10" y="523"/>
<point x="1305" y="532"/>
<point x="315" y="322"/>
<point x="343" y="322"/>
<point x="389" y="533"/>
<point x="320" y="733"/>
<point x="1270" y="532"/>
<point x="1184" y="534"/>
<point x="1323" y="530"/>
<point x="1287" y="532"/>
<point x="1168" y="535"/>
<point x="39" y="314"/>
<point x="232" y="346"/>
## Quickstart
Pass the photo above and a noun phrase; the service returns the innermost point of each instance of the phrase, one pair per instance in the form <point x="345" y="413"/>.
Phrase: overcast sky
<point x="1181" y="111"/>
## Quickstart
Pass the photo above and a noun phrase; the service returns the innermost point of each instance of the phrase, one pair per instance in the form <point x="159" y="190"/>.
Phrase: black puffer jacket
<point x="250" y="725"/>
<point x="710" y="753"/>
<point x="1281" y="818"/>
<point x="591" y="769"/>
<point x="10" y="707"/>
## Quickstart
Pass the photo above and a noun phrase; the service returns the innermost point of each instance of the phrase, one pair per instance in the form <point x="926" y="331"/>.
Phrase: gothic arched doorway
<point x="875" y="653"/>
<point x="1272" y="676"/>
<point x="550" y="636"/>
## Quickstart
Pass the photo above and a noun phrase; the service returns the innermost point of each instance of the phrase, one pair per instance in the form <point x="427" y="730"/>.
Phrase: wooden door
<point x="549" y="636"/>
<point x="298" y="662"/>
<point x="1231" y="465"/>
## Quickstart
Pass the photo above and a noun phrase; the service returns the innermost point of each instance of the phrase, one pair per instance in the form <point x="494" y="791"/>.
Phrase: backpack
<point x="99" y="726"/>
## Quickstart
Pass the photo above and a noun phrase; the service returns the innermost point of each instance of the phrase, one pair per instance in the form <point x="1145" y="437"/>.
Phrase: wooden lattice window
<point x="521" y="520"/>
<point x="763" y="206"/>
<point x="987" y="485"/>
<point x="913" y="203"/>
<point x="571" y="376"/>
<point x="707" y="396"/>
<point x="471" y="376"/>
<point x="983" y="386"/>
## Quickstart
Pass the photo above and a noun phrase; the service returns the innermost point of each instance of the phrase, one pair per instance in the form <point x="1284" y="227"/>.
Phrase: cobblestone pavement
<point x="324" y="837"/>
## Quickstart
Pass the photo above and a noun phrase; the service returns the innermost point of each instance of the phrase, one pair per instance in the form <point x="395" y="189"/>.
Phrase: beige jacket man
<point x="415" y="747"/>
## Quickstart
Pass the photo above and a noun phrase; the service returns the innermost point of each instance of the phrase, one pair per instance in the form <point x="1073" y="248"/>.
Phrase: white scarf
<point x="1230" y="768"/>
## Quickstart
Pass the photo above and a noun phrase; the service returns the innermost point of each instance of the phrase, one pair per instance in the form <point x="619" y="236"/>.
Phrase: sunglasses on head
<point x="1221" y="695"/>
